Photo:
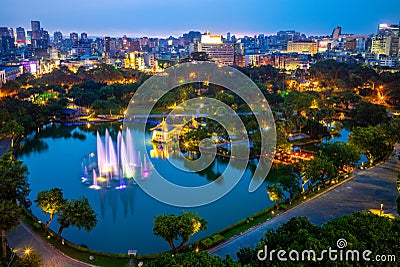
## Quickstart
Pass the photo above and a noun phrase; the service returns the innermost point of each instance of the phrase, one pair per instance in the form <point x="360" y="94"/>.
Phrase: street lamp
<point x="27" y="251"/>
<point x="381" y="210"/>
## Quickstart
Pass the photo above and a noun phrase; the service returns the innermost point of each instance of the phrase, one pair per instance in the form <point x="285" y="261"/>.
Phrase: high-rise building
<point x="388" y="30"/>
<point x="387" y="41"/>
<point x="36" y="34"/>
<point x="73" y="36"/>
<point x="216" y="50"/>
<point x="21" y="37"/>
<point x="6" y="38"/>
<point x="107" y="44"/>
<point x="336" y="32"/>
<point x="84" y="37"/>
<point x="58" y="37"/>
<point x="35" y="25"/>
<point x="380" y="45"/>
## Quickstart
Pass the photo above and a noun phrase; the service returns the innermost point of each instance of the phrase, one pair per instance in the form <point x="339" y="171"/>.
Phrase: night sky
<point x="174" y="17"/>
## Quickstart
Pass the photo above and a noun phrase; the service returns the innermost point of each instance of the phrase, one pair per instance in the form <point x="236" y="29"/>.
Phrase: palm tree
<point x="50" y="201"/>
<point x="275" y="193"/>
<point x="9" y="219"/>
<point x="78" y="213"/>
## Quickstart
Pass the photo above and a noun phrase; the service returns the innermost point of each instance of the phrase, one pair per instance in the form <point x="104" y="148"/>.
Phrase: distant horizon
<point x="159" y="18"/>
<point x="177" y="34"/>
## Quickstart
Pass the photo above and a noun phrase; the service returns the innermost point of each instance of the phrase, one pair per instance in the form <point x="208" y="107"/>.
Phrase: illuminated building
<point x="21" y="37"/>
<point x="107" y="46"/>
<point x="256" y="60"/>
<point x="164" y="132"/>
<point x="207" y="38"/>
<point x="216" y="50"/>
<point x="74" y="37"/>
<point x="302" y="47"/>
<point x="386" y="42"/>
<point x="134" y="60"/>
<point x="58" y="37"/>
<point x="381" y="45"/>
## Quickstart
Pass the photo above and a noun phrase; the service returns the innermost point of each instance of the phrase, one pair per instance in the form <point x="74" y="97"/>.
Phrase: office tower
<point x="73" y="36"/>
<point x="84" y="37"/>
<point x="35" y="26"/>
<point x="107" y="45"/>
<point x="216" y="50"/>
<point x="6" y="38"/>
<point x="21" y="37"/>
<point x="58" y="37"/>
<point x="228" y="37"/>
<point x="387" y="40"/>
<point x="336" y="32"/>
<point x="36" y="34"/>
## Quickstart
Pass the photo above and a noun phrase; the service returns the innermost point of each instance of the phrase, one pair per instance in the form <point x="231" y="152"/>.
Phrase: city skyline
<point x="162" y="19"/>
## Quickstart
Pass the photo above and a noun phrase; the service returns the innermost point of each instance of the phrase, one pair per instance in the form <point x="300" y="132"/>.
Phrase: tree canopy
<point x="51" y="202"/>
<point x="78" y="213"/>
<point x="361" y="231"/>
<point x="174" y="227"/>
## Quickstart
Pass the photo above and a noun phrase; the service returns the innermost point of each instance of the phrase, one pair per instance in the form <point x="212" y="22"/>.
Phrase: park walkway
<point x="368" y="190"/>
<point x="23" y="237"/>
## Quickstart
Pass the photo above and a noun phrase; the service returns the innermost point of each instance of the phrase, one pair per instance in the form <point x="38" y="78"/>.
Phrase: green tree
<point x="340" y="154"/>
<point x="29" y="259"/>
<point x="10" y="213"/>
<point x="78" y="213"/>
<point x="362" y="231"/>
<point x="190" y="259"/>
<point x="12" y="129"/>
<point x="372" y="141"/>
<point x="398" y="204"/>
<point x="319" y="170"/>
<point x="275" y="193"/>
<point x="367" y="113"/>
<point x="51" y="202"/>
<point x="290" y="184"/>
<point x="13" y="180"/>
<point x="174" y="227"/>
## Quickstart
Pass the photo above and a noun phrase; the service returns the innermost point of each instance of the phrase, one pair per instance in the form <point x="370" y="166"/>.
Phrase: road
<point x="368" y="190"/>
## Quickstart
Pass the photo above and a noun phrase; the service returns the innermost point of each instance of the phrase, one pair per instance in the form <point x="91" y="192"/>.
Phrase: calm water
<point x="125" y="216"/>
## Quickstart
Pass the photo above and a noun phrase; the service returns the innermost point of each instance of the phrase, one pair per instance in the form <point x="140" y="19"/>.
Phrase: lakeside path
<point x="24" y="237"/>
<point x="367" y="190"/>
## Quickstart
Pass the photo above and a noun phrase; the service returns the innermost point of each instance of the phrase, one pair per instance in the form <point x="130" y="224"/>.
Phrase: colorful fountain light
<point x="95" y="185"/>
<point x="115" y="163"/>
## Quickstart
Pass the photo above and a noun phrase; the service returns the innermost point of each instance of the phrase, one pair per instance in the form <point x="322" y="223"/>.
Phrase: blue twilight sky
<point x="174" y="17"/>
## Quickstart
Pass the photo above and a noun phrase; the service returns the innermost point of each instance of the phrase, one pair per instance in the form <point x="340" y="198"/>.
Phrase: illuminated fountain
<point x="115" y="163"/>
